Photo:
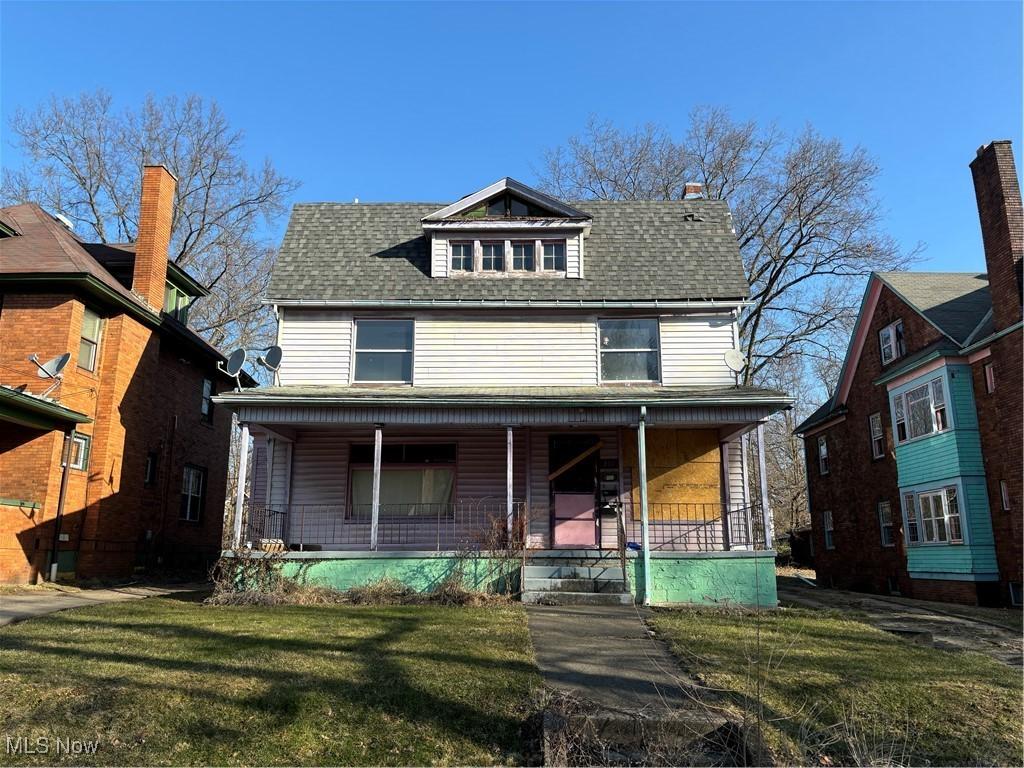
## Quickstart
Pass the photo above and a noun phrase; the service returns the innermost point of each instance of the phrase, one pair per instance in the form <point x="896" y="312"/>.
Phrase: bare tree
<point x="84" y="159"/>
<point x="803" y="209"/>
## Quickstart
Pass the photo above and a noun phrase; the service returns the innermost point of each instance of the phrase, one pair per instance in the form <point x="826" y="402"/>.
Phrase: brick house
<point x="914" y="463"/>
<point x="122" y="463"/>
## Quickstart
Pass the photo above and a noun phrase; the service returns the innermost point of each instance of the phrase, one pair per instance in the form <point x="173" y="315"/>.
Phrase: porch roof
<point x="592" y="396"/>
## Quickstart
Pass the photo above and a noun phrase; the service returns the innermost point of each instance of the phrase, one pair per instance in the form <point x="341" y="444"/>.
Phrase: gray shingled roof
<point x="954" y="301"/>
<point x="636" y="251"/>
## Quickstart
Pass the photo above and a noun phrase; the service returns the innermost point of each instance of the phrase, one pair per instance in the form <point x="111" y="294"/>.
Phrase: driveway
<point x="951" y="627"/>
<point x="33" y="602"/>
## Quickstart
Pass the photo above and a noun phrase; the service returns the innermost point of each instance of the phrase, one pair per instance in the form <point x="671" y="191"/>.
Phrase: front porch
<point x="387" y="486"/>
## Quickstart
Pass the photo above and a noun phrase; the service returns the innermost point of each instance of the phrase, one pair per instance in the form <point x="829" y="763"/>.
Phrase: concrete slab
<point x="606" y="655"/>
<point x="39" y="602"/>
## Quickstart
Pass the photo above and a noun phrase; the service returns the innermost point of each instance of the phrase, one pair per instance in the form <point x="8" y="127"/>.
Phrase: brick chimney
<point x="156" y="209"/>
<point x="1002" y="228"/>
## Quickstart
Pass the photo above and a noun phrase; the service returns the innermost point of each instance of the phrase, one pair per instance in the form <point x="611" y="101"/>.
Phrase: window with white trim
<point x="629" y="349"/>
<point x="826" y="520"/>
<point x="493" y="257"/>
<point x="193" y="493"/>
<point x="885" y="525"/>
<point x="554" y="255"/>
<point x="822" y="456"/>
<point x="933" y="516"/>
<point x="877" y="436"/>
<point x="921" y="411"/>
<point x="384" y="351"/>
<point x="78" y="451"/>
<point x="990" y="377"/>
<point x="89" y="345"/>
<point x="1004" y="495"/>
<point x="890" y="342"/>
<point x="462" y="256"/>
<point x="522" y="256"/>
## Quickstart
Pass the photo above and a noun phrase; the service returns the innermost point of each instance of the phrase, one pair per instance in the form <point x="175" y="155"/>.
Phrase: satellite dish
<point x="50" y="369"/>
<point x="235" y="362"/>
<point x="271" y="358"/>
<point x="735" y="359"/>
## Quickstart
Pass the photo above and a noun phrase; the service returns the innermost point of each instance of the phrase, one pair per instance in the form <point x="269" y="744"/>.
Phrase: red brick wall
<point x="144" y="396"/>
<point x="856" y="481"/>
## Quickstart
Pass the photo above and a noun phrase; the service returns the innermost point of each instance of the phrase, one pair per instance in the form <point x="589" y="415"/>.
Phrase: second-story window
<point x="822" y="456"/>
<point x="877" y="436"/>
<point x="493" y="257"/>
<point x="384" y="351"/>
<point x="554" y="256"/>
<point x="206" y="407"/>
<point x="921" y="411"/>
<point x="89" y="346"/>
<point x="462" y="256"/>
<point x="890" y="342"/>
<point x="522" y="256"/>
<point x="629" y="350"/>
<point x="176" y="303"/>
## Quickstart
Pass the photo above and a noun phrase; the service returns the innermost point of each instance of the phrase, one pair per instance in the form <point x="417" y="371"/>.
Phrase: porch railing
<point x="471" y="525"/>
<point x="695" y="526"/>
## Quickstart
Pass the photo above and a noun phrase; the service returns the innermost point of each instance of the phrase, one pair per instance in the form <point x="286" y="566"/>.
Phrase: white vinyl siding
<point x="505" y="353"/>
<point x="317" y="347"/>
<point x="692" y="350"/>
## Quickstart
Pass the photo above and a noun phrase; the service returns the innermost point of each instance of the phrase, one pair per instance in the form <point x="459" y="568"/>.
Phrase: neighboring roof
<point x="820" y="415"/>
<point x="504" y="396"/>
<point x="507" y="184"/>
<point x="682" y="250"/>
<point x="119" y="258"/>
<point x="28" y="410"/>
<point x="954" y="302"/>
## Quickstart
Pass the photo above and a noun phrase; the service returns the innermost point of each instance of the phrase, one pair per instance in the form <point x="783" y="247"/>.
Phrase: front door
<point x="572" y="473"/>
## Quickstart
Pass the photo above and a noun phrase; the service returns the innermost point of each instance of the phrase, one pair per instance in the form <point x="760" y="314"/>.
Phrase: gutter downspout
<point x="641" y="449"/>
<point x="65" y="453"/>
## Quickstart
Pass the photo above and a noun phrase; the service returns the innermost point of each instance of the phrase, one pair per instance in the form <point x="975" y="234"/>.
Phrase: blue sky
<point x="422" y="101"/>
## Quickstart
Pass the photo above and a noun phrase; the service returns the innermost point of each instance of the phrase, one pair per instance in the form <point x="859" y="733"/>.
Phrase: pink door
<point x="575" y="521"/>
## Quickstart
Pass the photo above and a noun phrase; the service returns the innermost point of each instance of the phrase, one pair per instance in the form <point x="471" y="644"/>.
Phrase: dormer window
<point x="462" y="256"/>
<point x="554" y="256"/>
<point x="522" y="256"/>
<point x="493" y="257"/>
<point x="176" y="303"/>
<point x="507" y="206"/>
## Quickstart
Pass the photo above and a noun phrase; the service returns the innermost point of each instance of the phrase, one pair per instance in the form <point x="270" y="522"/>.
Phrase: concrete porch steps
<point x="574" y="577"/>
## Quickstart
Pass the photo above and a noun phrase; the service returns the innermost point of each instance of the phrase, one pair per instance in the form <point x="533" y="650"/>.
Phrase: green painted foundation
<point x="708" y="578"/>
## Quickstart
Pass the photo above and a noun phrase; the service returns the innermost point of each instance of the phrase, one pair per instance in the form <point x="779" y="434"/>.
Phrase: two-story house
<point x="119" y="461"/>
<point x="914" y="464"/>
<point x="510" y="361"/>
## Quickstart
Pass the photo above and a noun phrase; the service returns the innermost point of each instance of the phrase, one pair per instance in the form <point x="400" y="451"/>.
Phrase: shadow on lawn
<point x="381" y="682"/>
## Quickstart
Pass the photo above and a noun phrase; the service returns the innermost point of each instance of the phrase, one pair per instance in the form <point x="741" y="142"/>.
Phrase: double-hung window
<point x="78" y="451"/>
<point x="890" y="342"/>
<point x="462" y="256"/>
<point x="206" y="405"/>
<point x="554" y="256"/>
<point x="885" y="524"/>
<point x="384" y="351"/>
<point x="493" y="257"/>
<point x="933" y="517"/>
<point x="822" y="456"/>
<point x="830" y="539"/>
<point x="629" y="350"/>
<point x="522" y="256"/>
<point x="921" y="411"/>
<point x="89" y="346"/>
<point x="877" y="436"/>
<point x="193" y="493"/>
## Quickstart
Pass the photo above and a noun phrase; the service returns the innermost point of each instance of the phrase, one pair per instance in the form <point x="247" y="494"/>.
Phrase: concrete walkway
<point x="952" y="628"/>
<point x="606" y="655"/>
<point x="41" y="601"/>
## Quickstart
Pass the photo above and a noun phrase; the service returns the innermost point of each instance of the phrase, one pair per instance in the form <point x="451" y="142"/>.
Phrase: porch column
<point x="243" y="465"/>
<point x="508" y="479"/>
<point x="769" y="523"/>
<point x="723" y="449"/>
<point x="641" y="452"/>
<point x="375" y="504"/>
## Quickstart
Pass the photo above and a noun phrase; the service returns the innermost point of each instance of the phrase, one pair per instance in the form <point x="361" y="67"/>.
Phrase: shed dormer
<point x="507" y="230"/>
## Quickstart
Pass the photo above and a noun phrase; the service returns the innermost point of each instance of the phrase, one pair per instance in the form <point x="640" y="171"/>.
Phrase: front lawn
<point x="835" y="691"/>
<point x="165" y="681"/>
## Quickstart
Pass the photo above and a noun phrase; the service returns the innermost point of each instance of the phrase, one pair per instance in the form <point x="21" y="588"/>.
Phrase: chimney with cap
<point x="693" y="190"/>
<point x="156" y="211"/>
<point x="1002" y="228"/>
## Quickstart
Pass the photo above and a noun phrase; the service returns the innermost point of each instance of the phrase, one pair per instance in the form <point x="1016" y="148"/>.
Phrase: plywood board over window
<point x="683" y="473"/>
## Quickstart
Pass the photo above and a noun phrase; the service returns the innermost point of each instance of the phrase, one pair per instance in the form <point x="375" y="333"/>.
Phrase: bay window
<point x="384" y="351"/>
<point x="629" y="350"/>
<point x="933" y="516"/>
<point x="920" y="411"/>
